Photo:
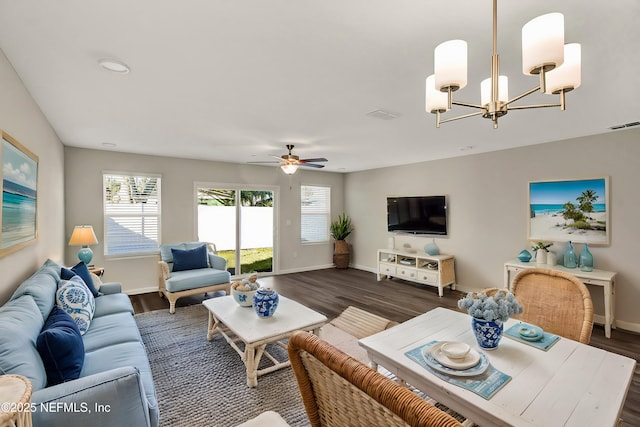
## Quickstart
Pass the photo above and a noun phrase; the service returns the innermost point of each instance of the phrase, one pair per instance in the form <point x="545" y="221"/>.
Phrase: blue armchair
<point x="184" y="270"/>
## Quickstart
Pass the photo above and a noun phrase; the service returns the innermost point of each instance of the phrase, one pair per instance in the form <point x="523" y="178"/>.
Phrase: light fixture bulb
<point x="503" y="90"/>
<point x="435" y="101"/>
<point x="289" y="168"/>
<point x="543" y="43"/>
<point x="450" y="65"/>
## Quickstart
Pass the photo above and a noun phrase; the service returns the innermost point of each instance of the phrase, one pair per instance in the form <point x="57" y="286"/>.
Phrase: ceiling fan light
<point x="450" y="65"/>
<point x="503" y="90"/>
<point x="568" y="75"/>
<point x="435" y="101"/>
<point x="289" y="168"/>
<point x="543" y="43"/>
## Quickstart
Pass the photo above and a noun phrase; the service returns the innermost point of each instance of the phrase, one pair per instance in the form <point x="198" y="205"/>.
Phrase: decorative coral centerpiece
<point x="244" y="290"/>
<point x="489" y="310"/>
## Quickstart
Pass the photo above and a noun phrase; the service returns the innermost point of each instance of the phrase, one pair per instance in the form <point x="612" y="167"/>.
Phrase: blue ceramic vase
<point x="524" y="255"/>
<point x="488" y="332"/>
<point x="265" y="302"/>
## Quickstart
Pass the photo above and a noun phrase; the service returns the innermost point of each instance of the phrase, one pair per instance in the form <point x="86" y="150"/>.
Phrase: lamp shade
<point x="503" y="90"/>
<point x="434" y="99"/>
<point x="568" y="75"/>
<point x="450" y="65"/>
<point x="543" y="43"/>
<point x="289" y="168"/>
<point x="83" y="235"/>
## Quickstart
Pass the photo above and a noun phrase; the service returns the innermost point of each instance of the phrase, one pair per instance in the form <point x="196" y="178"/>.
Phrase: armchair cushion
<point x="192" y="279"/>
<point x="61" y="347"/>
<point x="190" y="259"/>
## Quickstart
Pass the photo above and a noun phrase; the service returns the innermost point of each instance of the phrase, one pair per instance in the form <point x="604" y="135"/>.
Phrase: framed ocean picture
<point x="576" y="210"/>
<point x="19" y="196"/>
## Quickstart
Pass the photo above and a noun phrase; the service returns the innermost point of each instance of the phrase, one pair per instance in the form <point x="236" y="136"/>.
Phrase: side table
<point x="98" y="271"/>
<point x="15" y="401"/>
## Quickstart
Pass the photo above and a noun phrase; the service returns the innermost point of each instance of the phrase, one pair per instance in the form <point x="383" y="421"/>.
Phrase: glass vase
<point x="569" y="257"/>
<point x="586" y="259"/>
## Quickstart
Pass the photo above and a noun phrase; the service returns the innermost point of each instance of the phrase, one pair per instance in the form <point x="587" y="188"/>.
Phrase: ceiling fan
<point x="289" y="163"/>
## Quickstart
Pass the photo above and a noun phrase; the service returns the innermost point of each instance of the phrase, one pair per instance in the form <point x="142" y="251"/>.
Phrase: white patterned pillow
<point x="75" y="298"/>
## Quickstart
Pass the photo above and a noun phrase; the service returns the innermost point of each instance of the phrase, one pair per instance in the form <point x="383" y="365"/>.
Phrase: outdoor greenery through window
<point x="240" y="223"/>
<point x="131" y="214"/>
<point x="315" y="211"/>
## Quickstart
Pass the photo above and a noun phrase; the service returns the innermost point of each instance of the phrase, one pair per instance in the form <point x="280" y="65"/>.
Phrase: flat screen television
<point x="418" y="215"/>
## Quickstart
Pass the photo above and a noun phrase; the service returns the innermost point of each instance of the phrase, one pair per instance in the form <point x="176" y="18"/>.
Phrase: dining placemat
<point x="547" y="341"/>
<point x="486" y="384"/>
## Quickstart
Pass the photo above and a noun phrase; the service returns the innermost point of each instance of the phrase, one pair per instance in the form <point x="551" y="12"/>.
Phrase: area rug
<point x="203" y="383"/>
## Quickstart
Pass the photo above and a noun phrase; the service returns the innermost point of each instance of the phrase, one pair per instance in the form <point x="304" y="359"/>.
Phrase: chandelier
<point x="543" y="53"/>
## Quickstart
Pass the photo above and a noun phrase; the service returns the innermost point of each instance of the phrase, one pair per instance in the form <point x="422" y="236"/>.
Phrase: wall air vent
<point x="382" y="115"/>
<point x="626" y="125"/>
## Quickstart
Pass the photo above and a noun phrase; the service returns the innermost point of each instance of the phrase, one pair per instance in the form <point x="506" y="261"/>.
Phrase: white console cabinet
<point x="418" y="267"/>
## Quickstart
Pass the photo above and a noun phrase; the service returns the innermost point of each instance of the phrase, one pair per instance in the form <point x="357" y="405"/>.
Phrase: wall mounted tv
<point x="418" y="215"/>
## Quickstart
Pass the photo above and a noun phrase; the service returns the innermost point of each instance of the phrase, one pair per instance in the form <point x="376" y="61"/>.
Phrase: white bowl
<point x="243" y="298"/>
<point x="455" y="349"/>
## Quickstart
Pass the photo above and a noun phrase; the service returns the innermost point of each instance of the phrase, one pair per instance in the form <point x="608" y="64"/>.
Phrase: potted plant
<point x="489" y="310"/>
<point x="340" y="230"/>
<point x="541" y="249"/>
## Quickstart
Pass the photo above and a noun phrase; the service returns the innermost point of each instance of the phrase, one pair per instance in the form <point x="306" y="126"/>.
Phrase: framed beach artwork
<point x="19" y="196"/>
<point x="576" y="210"/>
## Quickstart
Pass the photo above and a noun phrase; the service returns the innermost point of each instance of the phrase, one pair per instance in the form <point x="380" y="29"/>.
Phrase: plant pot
<point x="341" y="254"/>
<point x="541" y="256"/>
<point x="487" y="332"/>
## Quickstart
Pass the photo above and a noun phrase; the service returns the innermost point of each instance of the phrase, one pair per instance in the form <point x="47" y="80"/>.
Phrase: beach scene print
<point x="569" y="210"/>
<point x="19" y="185"/>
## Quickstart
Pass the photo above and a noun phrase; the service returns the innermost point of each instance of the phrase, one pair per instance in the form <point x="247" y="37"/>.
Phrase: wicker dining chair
<point x="338" y="390"/>
<point x="556" y="301"/>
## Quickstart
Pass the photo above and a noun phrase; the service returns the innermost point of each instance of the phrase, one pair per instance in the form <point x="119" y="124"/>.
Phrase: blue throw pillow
<point x="81" y="270"/>
<point x="73" y="297"/>
<point x="61" y="348"/>
<point x="190" y="259"/>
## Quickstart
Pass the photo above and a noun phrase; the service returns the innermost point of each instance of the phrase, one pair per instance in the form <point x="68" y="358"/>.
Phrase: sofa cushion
<point x="42" y="286"/>
<point x="112" y="303"/>
<point x="20" y="325"/>
<point x="111" y="329"/>
<point x="81" y="270"/>
<point x="61" y="348"/>
<point x="190" y="259"/>
<point x="191" y="279"/>
<point x="76" y="299"/>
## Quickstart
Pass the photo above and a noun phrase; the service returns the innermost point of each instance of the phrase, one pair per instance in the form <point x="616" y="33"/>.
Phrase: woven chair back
<point x="556" y="301"/>
<point x="337" y="390"/>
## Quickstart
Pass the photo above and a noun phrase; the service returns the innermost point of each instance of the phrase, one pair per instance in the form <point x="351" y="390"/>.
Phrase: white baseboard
<point x="141" y="290"/>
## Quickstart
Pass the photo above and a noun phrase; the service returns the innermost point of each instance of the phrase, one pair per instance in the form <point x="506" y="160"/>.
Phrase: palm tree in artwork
<point x="586" y="200"/>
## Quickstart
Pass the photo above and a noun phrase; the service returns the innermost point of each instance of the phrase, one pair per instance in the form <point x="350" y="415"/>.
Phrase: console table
<point x="418" y="267"/>
<point x="605" y="279"/>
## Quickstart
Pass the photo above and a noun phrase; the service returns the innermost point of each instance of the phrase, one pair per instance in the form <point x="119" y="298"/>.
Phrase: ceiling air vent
<point x="382" y="115"/>
<point x="626" y="125"/>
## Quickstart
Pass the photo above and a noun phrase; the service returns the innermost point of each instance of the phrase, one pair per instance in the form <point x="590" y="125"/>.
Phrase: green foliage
<point x="256" y="259"/>
<point x="341" y="228"/>
<point x="542" y="245"/>
<point x="581" y="214"/>
<point x="582" y="225"/>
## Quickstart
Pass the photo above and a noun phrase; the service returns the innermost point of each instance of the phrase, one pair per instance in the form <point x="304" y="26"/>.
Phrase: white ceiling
<point x="236" y="80"/>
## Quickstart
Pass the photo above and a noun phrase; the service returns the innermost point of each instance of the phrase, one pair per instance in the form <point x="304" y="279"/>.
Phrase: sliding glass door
<point x="240" y="222"/>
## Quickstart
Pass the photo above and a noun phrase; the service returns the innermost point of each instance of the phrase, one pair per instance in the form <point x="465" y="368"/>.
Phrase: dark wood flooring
<point x="330" y="291"/>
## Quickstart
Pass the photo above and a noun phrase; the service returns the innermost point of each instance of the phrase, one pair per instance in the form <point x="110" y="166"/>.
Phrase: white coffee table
<point x="241" y="324"/>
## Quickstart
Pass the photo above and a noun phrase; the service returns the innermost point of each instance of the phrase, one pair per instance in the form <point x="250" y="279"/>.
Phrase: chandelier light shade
<point x="543" y="43"/>
<point x="450" y="65"/>
<point x="568" y="76"/>
<point x="83" y="235"/>
<point x="503" y="90"/>
<point x="289" y="168"/>
<point x="435" y="100"/>
<point x="543" y="53"/>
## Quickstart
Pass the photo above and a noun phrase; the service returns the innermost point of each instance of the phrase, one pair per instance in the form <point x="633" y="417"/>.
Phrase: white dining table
<point x="570" y="384"/>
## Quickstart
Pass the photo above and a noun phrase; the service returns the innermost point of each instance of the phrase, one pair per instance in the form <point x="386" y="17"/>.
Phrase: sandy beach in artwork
<point x="552" y="227"/>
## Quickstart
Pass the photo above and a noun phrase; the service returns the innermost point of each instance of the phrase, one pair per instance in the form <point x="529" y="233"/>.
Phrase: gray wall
<point x="488" y="209"/>
<point x="21" y="118"/>
<point x="83" y="187"/>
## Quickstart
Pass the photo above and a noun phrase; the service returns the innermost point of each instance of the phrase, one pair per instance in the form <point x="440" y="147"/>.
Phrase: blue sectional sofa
<point x="115" y="385"/>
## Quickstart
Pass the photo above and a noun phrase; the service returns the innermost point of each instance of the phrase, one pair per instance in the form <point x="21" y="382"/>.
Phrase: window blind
<point x="315" y="211"/>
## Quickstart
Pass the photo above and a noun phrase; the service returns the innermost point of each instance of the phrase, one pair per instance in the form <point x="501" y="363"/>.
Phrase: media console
<point x="418" y="267"/>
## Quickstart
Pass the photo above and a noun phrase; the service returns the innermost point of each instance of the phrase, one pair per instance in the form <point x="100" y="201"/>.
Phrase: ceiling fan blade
<point x="319" y="159"/>
<point x="311" y="165"/>
<point x="270" y="163"/>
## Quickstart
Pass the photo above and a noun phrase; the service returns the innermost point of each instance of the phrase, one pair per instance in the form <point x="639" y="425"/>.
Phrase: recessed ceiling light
<point x="114" y="66"/>
<point x="466" y="148"/>
<point x="108" y="144"/>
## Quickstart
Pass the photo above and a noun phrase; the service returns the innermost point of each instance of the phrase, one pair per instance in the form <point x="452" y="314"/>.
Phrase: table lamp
<point x="84" y="236"/>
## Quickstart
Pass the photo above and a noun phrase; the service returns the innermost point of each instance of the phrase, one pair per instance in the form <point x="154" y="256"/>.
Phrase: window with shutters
<point x="315" y="211"/>
<point x="131" y="214"/>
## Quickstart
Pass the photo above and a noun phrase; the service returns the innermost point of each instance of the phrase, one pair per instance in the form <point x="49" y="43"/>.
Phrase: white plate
<point x="481" y="363"/>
